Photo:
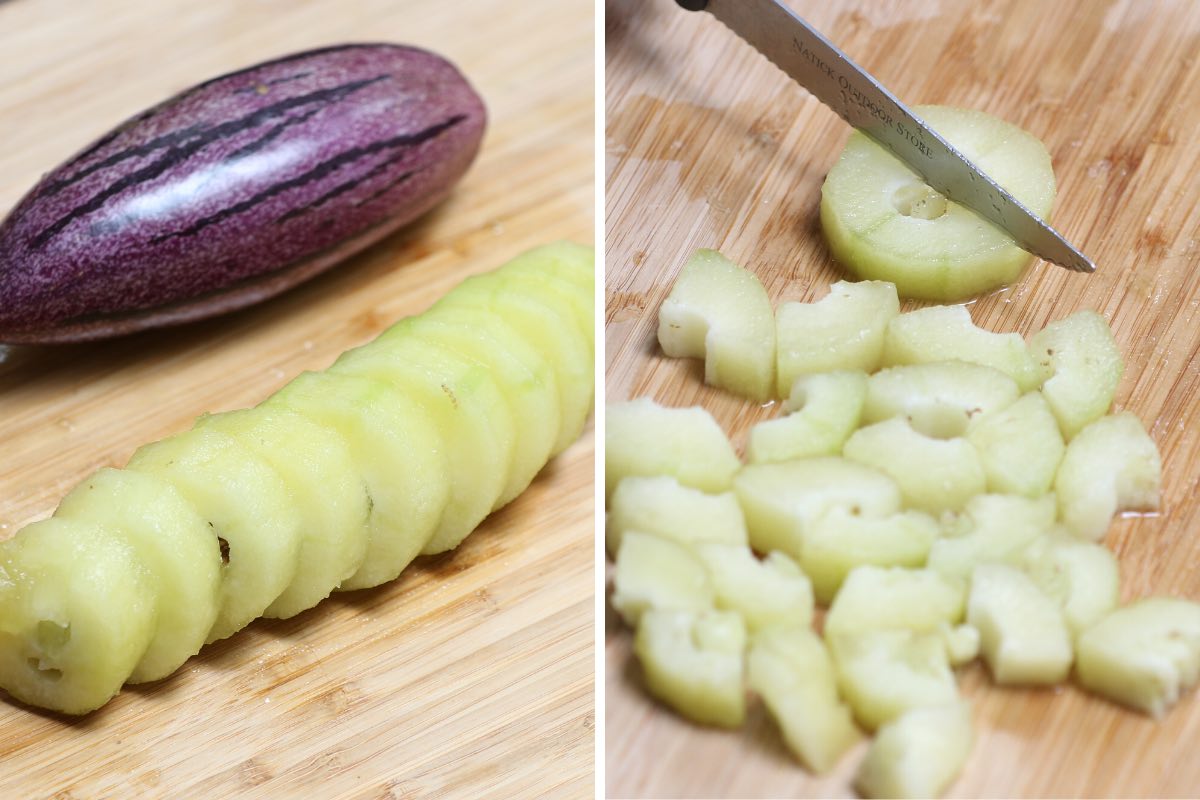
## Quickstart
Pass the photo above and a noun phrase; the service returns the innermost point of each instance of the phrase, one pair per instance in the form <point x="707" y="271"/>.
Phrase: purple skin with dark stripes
<point x="234" y="191"/>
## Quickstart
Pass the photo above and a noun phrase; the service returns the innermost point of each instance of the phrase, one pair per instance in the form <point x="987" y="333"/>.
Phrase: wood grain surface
<point x="708" y="145"/>
<point x="471" y="675"/>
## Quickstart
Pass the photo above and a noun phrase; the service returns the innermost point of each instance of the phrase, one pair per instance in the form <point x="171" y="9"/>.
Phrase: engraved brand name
<point x="878" y="107"/>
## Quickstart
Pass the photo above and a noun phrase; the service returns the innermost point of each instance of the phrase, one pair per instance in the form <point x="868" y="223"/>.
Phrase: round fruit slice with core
<point x="315" y="463"/>
<point x="77" y="609"/>
<point x="397" y="454"/>
<point x="884" y="223"/>
<point x="249" y="508"/>
<point x="178" y="548"/>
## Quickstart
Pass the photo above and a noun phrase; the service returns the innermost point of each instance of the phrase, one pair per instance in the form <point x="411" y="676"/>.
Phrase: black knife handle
<point x="692" y="5"/>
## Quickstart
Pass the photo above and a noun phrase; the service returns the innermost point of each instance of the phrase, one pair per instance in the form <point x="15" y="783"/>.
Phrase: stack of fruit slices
<point x="336" y="482"/>
<point x="940" y="488"/>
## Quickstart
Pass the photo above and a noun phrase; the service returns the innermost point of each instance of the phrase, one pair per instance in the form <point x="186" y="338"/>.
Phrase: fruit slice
<point x="654" y="573"/>
<point x="1111" y="465"/>
<point x="769" y="592"/>
<point x="644" y="438"/>
<point x="1080" y="368"/>
<point x="524" y="378"/>
<point x="574" y="295"/>
<point x="181" y="555"/>
<point x="878" y="598"/>
<point x="1020" y="446"/>
<point x="1023" y="636"/>
<point x="693" y="663"/>
<point x="884" y="223"/>
<point x="551" y="330"/>
<point x="993" y="528"/>
<point x="329" y="495"/>
<point x="77" y="610"/>
<point x="934" y="475"/>
<point x="918" y="754"/>
<point x="567" y="264"/>
<point x="790" y="669"/>
<point x="884" y="673"/>
<point x="397" y="455"/>
<point x="946" y="333"/>
<point x="824" y="409"/>
<point x="839" y="541"/>
<point x="249" y="508"/>
<point x="664" y="507"/>
<point x="1143" y="655"/>
<point x="780" y="500"/>
<point x="941" y="398"/>
<point x="469" y="415"/>
<point x="843" y="330"/>
<point x="721" y="313"/>
<point x="1082" y="577"/>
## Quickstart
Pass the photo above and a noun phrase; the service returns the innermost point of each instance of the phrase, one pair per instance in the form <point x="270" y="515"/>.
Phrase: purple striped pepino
<point x="234" y="191"/>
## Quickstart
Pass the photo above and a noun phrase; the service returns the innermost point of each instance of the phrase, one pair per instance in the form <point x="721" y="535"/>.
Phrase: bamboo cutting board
<point x="469" y="676"/>
<point x="708" y="145"/>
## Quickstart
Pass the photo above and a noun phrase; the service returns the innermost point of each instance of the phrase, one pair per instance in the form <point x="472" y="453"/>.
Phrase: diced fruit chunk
<point x="883" y="673"/>
<point x="644" y="438"/>
<point x="1144" y="654"/>
<point x="843" y="330"/>
<point x="946" y="333"/>
<point x="839" y="541"/>
<point x="315" y="463"/>
<point x="664" y="507"/>
<point x="769" y="592"/>
<point x="1080" y="368"/>
<point x="721" y="313"/>
<point x="1082" y="577"/>
<point x="918" y="754"/>
<point x="940" y="398"/>
<point x="1022" y="633"/>
<point x="654" y="573"/>
<point x="178" y="548"/>
<point x="962" y="643"/>
<point x="1111" y="465"/>
<point x="693" y="663"/>
<point x="993" y="528"/>
<point x="1020" y="446"/>
<point x="883" y="222"/>
<point x="878" y="598"/>
<point x="825" y="408"/>
<point x="790" y="669"/>
<point x="249" y="508"/>
<point x="934" y="475"/>
<point x="77" y="610"/>
<point x="779" y="500"/>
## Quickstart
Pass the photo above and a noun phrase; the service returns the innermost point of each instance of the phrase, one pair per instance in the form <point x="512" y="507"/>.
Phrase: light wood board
<point x="708" y="145"/>
<point x="471" y="675"/>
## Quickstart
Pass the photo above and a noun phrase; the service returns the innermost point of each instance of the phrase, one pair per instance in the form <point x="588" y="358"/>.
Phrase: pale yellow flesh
<point x="249" y="507"/>
<point x="875" y="232"/>
<point x="315" y="462"/>
<point x="398" y="458"/>
<point x="77" y="611"/>
<point x="179" y="549"/>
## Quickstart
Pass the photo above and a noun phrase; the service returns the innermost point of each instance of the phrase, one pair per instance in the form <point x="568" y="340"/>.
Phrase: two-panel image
<point x="580" y="399"/>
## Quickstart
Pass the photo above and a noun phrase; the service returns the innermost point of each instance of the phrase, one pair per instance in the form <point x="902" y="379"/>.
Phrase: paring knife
<point x="816" y="64"/>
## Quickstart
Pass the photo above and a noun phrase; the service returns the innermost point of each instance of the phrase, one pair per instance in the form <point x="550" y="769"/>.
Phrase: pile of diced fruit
<point x="943" y="490"/>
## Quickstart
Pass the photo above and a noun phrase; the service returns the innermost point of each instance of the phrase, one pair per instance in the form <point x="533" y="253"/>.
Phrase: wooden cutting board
<point x="708" y="145"/>
<point x="469" y="676"/>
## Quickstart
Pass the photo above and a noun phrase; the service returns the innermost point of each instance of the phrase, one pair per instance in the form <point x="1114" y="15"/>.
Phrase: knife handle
<point x="692" y="5"/>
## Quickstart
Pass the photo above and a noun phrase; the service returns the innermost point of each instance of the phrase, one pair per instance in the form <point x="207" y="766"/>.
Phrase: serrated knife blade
<point x="820" y="67"/>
